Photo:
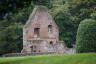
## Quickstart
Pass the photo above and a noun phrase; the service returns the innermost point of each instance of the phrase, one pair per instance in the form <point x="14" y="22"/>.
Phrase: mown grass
<point x="85" y="58"/>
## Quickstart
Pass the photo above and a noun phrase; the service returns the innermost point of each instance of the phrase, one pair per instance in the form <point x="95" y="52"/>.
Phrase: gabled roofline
<point x="30" y="17"/>
<point x="38" y="7"/>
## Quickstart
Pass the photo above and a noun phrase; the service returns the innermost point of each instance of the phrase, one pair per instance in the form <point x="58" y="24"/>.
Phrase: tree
<point x="64" y="21"/>
<point x="86" y="36"/>
<point x="11" y="39"/>
<point x="8" y="7"/>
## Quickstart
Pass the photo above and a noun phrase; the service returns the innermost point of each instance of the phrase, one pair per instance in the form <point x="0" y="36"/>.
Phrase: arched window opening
<point x="50" y="29"/>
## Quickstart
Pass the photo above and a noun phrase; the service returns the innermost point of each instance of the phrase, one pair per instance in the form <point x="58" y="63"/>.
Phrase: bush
<point x="86" y="36"/>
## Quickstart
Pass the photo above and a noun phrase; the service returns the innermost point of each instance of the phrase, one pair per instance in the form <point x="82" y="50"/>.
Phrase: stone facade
<point x="40" y="33"/>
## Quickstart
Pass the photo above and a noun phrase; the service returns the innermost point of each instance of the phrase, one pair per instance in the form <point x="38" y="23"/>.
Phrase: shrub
<point x="86" y="36"/>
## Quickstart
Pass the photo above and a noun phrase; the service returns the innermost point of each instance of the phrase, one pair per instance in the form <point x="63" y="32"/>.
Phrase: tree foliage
<point x="64" y="20"/>
<point x="86" y="36"/>
<point x="11" y="31"/>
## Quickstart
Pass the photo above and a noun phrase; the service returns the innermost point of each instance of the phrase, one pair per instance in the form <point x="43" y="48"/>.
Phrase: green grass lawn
<point x="85" y="58"/>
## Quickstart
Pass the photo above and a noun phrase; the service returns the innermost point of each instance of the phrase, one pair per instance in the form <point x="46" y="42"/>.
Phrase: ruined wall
<point x="40" y="25"/>
<point x="41" y="20"/>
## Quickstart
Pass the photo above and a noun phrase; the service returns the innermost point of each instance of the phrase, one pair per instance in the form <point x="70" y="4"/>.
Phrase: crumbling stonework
<point x="40" y="33"/>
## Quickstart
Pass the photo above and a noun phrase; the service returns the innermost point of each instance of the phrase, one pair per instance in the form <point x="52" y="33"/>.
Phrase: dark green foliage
<point x="81" y="9"/>
<point x="86" y="36"/>
<point x="64" y="21"/>
<point x="8" y="7"/>
<point x="11" y="31"/>
<point x="42" y="2"/>
<point x="11" y="38"/>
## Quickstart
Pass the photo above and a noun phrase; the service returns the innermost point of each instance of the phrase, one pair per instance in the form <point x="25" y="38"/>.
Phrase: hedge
<point x="86" y="36"/>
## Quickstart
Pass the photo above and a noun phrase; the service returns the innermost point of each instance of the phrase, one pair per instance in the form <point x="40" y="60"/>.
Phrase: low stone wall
<point x="25" y="54"/>
<point x="66" y="51"/>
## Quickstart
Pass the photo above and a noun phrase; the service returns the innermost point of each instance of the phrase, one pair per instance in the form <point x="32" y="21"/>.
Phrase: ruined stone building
<point x="40" y="33"/>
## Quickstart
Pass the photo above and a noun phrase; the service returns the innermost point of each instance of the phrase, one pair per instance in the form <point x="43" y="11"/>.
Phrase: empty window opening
<point x="34" y="51"/>
<point x="50" y="28"/>
<point x="31" y="47"/>
<point x="39" y="51"/>
<point x="36" y="32"/>
<point x="51" y="42"/>
<point x="34" y="46"/>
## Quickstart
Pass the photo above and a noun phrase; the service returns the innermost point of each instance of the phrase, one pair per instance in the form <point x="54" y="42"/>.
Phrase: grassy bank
<point x="86" y="58"/>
